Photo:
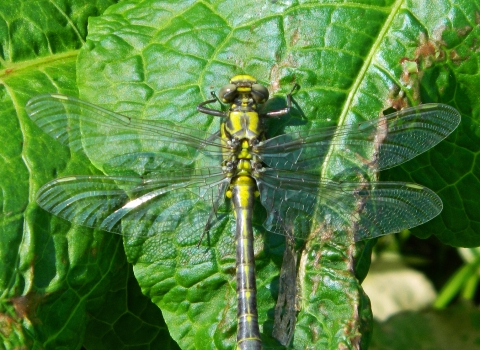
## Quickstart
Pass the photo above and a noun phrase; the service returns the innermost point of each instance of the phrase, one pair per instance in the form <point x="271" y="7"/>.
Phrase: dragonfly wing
<point x="111" y="138"/>
<point x="152" y="203"/>
<point x="300" y="203"/>
<point x="379" y="144"/>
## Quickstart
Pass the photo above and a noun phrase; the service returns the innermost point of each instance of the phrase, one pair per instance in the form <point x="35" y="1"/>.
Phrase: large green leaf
<point x="158" y="60"/>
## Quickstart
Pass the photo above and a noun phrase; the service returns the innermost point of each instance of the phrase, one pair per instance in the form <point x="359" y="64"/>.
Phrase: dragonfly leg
<point x="283" y="111"/>
<point x="201" y="108"/>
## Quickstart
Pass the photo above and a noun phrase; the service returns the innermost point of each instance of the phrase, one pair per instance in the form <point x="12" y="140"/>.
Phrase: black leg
<point x="283" y="111"/>
<point x="201" y="108"/>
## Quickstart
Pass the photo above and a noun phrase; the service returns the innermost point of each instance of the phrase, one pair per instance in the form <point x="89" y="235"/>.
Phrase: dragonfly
<point x="168" y="182"/>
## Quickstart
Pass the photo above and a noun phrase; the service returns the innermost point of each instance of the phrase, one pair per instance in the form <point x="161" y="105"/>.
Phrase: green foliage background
<point x="68" y="287"/>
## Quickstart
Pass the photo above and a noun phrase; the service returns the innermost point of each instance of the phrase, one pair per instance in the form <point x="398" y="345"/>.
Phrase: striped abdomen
<point x="243" y="195"/>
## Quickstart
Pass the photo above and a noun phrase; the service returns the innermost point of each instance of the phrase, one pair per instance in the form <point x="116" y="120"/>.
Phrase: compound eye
<point x="259" y="93"/>
<point x="228" y="93"/>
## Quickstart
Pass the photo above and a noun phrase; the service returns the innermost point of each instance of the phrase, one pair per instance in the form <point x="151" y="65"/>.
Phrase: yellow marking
<point x="244" y="89"/>
<point x="65" y="179"/>
<point x="244" y="167"/>
<point x="245" y="268"/>
<point x="236" y="122"/>
<point x="245" y="223"/>
<point x="417" y="187"/>
<point x="243" y="77"/>
<point x="244" y="184"/>
<point x="244" y="154"/>
<point x="229" y="193"/>
<point x="244" y="198"/>
<point x="61" y="97"/>
<point x="247" y="338"/>
<point x="222" y="133"/>
<point x="253" y="121"/>
<point x="243" y="181"/>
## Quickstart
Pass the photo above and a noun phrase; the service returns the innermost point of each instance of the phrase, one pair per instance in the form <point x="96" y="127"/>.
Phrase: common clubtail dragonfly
<point x="160" y="172"/>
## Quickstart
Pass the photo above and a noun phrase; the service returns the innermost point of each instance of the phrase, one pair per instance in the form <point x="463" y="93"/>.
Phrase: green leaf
<point x="53" y="275"/>
<point x="135" y="323"/>
<point x="158" y="60"/>
<point x="453" y="328"/>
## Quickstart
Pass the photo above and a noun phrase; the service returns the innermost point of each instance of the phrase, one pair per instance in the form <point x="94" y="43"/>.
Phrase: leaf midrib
<point x="361" y="74"/>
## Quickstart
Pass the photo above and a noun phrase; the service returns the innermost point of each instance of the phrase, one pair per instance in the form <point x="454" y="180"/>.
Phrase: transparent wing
<point x="299" y="203"/>
<point x="114" y="139"/>
<point x="175" y="206"/>
<point x="104" y="201"/>
<point x="380" y="143"/>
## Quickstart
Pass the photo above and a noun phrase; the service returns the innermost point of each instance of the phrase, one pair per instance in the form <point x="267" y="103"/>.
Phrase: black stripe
<point x="248" y="335"/>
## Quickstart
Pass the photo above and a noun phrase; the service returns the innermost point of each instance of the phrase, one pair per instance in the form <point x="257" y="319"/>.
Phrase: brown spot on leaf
<point x="398" y="103"/>
<point x="294" y="38"/>
<point x="327" y="233"/>
<point x="351" y="258"/>
<point x="426" y="49"/>
<point x="279" y="70"/>
<point x="437" y="35"/>
<point x="454" y="56"/>
<point x="475" y="47"/>
<point x="464" y="31"/>
<point x="313" y="332"/>
<point x="26" y="306"/>
<point x="355" y="340"/>
<point x="426" y="54"/>
<point x="6" y="325"/>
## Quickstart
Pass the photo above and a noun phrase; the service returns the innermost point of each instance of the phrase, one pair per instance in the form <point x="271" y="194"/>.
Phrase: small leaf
<point x="453" y="328"/>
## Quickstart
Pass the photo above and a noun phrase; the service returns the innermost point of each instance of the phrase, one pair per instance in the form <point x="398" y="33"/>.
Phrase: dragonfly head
<point x="243" y="87"/>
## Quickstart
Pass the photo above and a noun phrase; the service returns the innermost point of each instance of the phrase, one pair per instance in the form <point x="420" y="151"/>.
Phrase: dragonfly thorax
<point x="243" y="125"/>
<point x="242" y="120"/>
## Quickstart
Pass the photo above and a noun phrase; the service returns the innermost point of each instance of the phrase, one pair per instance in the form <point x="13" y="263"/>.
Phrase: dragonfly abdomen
<point x="243" y="195"/>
